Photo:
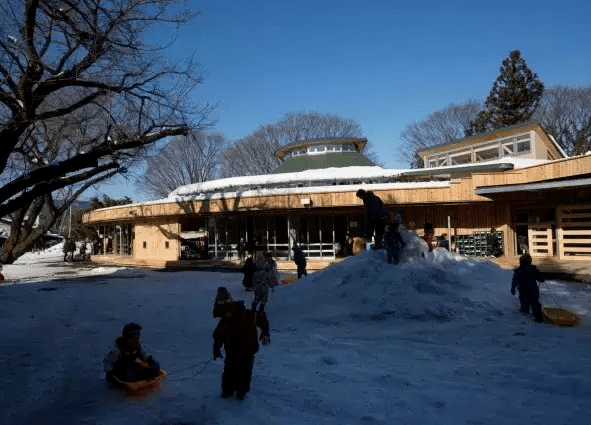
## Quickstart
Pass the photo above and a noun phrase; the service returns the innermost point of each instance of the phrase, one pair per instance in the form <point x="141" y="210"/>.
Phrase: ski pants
<point x="237" y="374"/>
<point x="302" y="270"/>
<point x="530" y="298"/>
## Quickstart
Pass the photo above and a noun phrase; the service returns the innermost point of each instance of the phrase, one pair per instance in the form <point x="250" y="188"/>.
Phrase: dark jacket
<point x="525" y="278"/>
<point x="298" y="257"/>
<point x="238" y="334"/>
<point x="248" y="269"/>
<point x="393" y="241"/>
<point x="374" y="207"/>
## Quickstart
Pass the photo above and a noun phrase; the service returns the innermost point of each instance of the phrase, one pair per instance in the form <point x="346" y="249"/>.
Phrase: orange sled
<point x="560" y="316"/>
<point x="288" y="280"/>
<point x="140" y="387"/>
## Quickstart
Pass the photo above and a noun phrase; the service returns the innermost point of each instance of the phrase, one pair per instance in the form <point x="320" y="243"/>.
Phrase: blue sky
<point x="381" y="63"/>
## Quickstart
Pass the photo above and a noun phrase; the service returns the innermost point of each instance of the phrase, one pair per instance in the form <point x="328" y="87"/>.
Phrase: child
<point x="237" y="333"/>
<point x="525" y="279"/>
<point x="393" y="242"/>
<point x="129" y="362"/>
<point x="222" y="300"/>
<point x="300" y="260"/>
<point x="248" y="269"/>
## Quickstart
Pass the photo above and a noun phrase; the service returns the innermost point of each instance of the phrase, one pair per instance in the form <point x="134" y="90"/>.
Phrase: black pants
<point x="531" y="299"/>
<point x="302" y="270"/>
<point x="237" y="374"/>
<point x="377" y="225"/>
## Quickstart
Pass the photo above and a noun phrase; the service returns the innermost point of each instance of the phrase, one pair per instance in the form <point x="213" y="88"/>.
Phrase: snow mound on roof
<point x="439" y="286"/>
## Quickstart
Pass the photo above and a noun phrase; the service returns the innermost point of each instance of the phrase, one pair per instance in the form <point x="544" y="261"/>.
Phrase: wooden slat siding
<point x="562" y="168"/>
<point x="540" y="240"/>
<point x="458" y="192"/>
<point x="574" y="228"/>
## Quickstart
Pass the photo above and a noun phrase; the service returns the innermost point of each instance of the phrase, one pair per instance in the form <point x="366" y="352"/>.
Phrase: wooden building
<point x="516" y="180"/>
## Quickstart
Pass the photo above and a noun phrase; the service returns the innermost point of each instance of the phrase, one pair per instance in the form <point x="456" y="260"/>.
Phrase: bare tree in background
<point x="186" y="159"/>
<point x="444" y="126"/>
<point x="254" y="154"/>
<point x="565" y="112"/>
<point x="82" y="95"/>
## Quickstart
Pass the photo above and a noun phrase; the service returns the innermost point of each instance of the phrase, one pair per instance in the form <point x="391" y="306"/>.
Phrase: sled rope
<point x="551" y="294"/>
<point x="202" y="365"/>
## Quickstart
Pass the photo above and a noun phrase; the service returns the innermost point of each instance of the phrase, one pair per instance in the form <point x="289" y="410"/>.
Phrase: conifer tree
<point x="513" y="98"/>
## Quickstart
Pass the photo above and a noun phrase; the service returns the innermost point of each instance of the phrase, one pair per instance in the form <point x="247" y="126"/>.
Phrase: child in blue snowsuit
<point x="525" y="279"/>
<point x="393" y="242"/>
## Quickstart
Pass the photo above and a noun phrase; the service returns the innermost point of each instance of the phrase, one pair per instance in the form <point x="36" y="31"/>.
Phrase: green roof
<point x="326" y="160"/>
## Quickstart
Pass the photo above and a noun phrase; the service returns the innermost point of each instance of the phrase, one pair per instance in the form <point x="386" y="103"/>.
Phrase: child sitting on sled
<point x="128" y="361"/>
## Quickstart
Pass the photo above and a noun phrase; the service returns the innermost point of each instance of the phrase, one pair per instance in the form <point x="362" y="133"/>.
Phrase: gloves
<point x="265" y="339"/>
<point x="512" y="291"/>
<point x="217" y="354"/>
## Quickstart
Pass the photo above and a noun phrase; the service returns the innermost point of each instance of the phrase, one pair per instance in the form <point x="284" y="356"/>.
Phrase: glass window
<point x="523" y="146"/>
<point x="461" y="158"/>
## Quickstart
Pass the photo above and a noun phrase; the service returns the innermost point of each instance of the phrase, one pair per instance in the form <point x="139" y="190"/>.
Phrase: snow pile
<point x="425" y="286"/>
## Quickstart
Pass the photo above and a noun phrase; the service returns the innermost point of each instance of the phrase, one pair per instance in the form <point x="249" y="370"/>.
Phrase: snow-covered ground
<point x="430" y="341"/>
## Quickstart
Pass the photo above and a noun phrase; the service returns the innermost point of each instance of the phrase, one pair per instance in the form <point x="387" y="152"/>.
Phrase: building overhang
<point x="533" y="187"/>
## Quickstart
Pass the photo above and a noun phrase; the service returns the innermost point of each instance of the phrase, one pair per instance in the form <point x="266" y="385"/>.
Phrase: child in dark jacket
<point x="525" y="279"/>
<point x="393" y="242"/>
<point x="299" y="258"/>
<point x="248" y="269"/>
<point x="237" y="334"/>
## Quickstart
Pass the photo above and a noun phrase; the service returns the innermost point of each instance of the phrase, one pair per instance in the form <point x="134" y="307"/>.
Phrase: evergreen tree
<point x="513" y="98"/>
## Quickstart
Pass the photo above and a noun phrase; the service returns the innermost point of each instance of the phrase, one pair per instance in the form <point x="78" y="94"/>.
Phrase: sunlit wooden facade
<point x="547" y="203"/>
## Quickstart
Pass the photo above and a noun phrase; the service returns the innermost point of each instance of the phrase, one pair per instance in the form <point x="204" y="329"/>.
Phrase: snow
<point x="434" y="340"/>
<point x="328" y="176"/>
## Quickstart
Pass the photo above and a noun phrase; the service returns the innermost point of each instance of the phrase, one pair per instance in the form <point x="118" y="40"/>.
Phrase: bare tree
<point x="82" y="95"/>
<point x="254" y="154"/>
<point x="444" y="126"/>
<point x="565" y="112"/>
<point x="185" y="160"/>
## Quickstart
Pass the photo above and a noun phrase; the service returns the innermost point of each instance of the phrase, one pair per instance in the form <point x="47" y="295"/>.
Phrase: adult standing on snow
<point x="525" y="279"/>
<point x="377" y="214"/>
<point x="265" y="276"/>
<point x="237" y="333"/>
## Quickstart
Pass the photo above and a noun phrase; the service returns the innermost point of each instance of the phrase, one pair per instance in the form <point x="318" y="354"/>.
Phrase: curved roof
<point x="359" y="143"/>
<point x="326" y="160"/>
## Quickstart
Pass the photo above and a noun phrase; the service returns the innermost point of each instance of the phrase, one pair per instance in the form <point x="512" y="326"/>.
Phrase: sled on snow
<point x="560" y="316"/>
<point x="288" y="280"/>
<point x="139" y="387"/>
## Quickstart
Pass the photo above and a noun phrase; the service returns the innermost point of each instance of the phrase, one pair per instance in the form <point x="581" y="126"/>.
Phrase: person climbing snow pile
<point x="393" y="242"/>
